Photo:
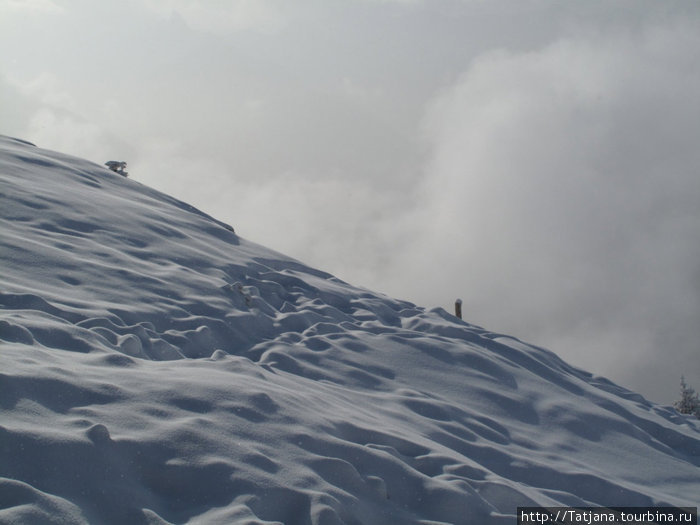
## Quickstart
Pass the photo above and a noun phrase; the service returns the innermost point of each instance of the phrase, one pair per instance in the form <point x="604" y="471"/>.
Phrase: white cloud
<point x="51" y="116"/>
<point x="338" y="224"/>
<point x="222" y="16"/>
<point x="46" y="89"/>
<point x="29" y="6"/>
<point x="66" y="133"/>
<point x="562" y="196"/>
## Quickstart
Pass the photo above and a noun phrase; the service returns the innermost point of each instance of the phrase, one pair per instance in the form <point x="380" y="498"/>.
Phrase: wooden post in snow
<point x="458" y="308"/>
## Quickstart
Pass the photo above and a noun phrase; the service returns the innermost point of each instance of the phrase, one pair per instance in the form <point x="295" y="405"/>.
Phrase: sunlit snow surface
<point x="157" y="368"/>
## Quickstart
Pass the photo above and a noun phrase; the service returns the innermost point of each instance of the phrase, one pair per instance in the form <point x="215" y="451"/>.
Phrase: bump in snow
<point x="118" y="166"/>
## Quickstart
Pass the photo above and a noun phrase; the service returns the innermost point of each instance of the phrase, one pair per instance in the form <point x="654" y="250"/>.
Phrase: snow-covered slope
<point x="157" y="368"/>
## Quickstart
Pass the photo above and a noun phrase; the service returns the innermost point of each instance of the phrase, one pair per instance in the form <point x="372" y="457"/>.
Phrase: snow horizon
<point x="157" y="368"/>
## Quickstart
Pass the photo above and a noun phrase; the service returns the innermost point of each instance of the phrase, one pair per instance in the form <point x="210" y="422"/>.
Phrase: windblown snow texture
<point x="157" y="368"/>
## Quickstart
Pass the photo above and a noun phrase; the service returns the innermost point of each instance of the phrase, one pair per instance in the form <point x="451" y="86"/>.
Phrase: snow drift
<point x="157" y="368"/>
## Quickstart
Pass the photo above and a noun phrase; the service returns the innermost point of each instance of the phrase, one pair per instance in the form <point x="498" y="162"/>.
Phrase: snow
<point x="158" y="368"/>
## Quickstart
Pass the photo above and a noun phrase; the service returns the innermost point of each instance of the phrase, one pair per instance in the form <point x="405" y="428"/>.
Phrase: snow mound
<point x="157" y="368"/>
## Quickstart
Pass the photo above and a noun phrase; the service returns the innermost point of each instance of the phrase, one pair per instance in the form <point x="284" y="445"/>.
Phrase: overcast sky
<point x="538" y="159"/>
